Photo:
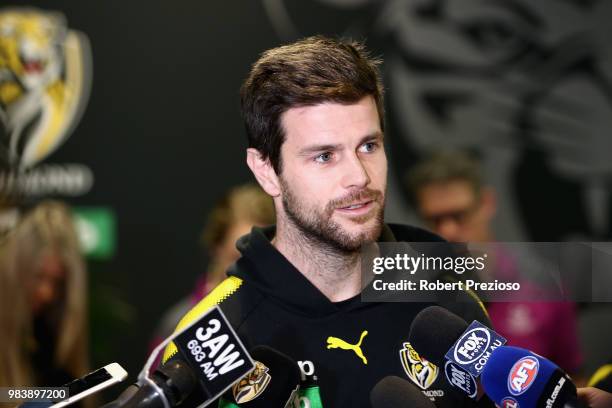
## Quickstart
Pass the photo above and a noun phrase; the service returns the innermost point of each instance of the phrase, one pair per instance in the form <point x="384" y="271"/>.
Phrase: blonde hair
<point x="247" y="202"/>
<point x="48" y="228"/>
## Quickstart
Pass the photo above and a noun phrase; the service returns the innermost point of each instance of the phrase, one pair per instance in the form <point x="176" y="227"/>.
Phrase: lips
<point x="356" y="205"/>
<point x="360" y="209"/>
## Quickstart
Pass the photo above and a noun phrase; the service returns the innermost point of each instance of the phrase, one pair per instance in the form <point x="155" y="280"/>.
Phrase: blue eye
<point x="368" y="147"/>
<point x="323" y="157"/>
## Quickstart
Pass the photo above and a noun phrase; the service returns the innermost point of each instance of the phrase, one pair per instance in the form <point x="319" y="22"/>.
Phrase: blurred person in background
<point x="233" y="216"/>
<point x="43" y="300"/>
<point x="453" y="201"/>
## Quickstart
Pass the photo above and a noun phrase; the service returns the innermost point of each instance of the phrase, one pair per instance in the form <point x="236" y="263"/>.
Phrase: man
<point x="314" y="118"/>
<point x="454" y="201"/>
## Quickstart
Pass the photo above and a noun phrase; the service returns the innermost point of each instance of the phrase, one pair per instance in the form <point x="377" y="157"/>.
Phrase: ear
<point x="264" y="172"/>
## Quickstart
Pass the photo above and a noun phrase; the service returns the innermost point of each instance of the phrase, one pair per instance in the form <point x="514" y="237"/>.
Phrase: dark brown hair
<point x="305" y="73"/>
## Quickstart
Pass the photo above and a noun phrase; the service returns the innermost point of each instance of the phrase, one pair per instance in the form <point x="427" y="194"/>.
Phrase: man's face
<point x="454" y="211"/>
<point x="334" y="173"/>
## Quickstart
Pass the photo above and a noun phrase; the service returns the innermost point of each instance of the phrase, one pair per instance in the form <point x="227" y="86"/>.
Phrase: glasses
<point x="459" y="216"/>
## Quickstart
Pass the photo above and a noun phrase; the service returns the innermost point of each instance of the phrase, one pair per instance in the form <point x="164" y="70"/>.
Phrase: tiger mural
<point x="45" y="75"/>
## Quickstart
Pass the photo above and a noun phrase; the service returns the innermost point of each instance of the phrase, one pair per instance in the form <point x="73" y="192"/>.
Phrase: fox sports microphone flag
<point x="473" y="348"/>
<point x="461" y="379"/>
<point x="440" y="335"/>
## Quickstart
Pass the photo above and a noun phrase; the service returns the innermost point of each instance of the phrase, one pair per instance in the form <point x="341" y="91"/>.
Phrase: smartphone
<point x="93" y="382"/>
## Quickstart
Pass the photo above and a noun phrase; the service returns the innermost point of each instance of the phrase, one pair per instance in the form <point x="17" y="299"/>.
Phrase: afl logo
<point x="509" y="402"/>
<point x="522" y="375"/>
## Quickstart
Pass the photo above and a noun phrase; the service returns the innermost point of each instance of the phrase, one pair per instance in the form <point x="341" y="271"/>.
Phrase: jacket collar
<point x="263" y="266"/>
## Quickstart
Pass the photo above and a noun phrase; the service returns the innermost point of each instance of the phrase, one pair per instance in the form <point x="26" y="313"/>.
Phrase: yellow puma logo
<point x="335" y="342"/>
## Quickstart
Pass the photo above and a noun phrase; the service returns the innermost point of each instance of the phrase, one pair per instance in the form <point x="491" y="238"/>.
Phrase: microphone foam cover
<point x="433" y="331"/>
<point x="280" y="379"/>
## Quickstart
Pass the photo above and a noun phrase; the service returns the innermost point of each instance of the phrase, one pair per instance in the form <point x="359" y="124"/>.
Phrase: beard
<point x="317" y="226"/>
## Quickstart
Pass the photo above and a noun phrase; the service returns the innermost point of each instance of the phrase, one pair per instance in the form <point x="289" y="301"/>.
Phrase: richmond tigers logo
<point x="45" y="76"/>
<point x="252" y="385"/>
<point x="422" y="372"/>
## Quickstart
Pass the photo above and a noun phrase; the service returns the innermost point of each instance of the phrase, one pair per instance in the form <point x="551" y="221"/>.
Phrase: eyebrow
<point x="372" y="136"/>
<point x="308" y="150"/>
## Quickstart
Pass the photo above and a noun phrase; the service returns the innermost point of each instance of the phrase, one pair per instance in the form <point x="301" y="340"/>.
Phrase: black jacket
<point x="268" y="301"/>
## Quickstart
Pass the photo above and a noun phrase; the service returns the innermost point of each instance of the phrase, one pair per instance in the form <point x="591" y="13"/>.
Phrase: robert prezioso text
<point x="437" y="285"/>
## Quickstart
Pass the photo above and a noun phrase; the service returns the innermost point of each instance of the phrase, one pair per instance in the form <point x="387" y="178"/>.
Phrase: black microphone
<point x="210" y="359"/>
<point x="123" y="397"/>
<point x="174" y="382"/>
<point x="440" y="335"/>
<point x="433" y="331"/>
<point x="273" y="383"/>
<point x="459" y="349"/>
<point x="395" y="392"/>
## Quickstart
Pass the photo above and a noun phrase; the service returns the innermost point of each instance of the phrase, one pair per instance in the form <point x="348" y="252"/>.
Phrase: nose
<point x="355" y="173"/>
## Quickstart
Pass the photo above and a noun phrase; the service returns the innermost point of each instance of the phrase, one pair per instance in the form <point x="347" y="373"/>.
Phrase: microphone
<point x="515" y="377"/>
<point x="433" y="331"/>
<point x="210" y="359"/>
<point x="125" y="396"/>
<point x="395" y="392"/>
<point x="460" y="349"/>
<point x="273" y="383"/>
<point x="440" y="335"/>
<point x="173" y="383"/>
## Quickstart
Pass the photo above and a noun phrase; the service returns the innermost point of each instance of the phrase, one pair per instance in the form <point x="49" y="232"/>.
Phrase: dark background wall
<point x="163" y="136"/>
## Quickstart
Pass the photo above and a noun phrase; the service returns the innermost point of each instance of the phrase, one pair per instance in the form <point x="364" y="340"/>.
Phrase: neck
<point x="335" y="273"/>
